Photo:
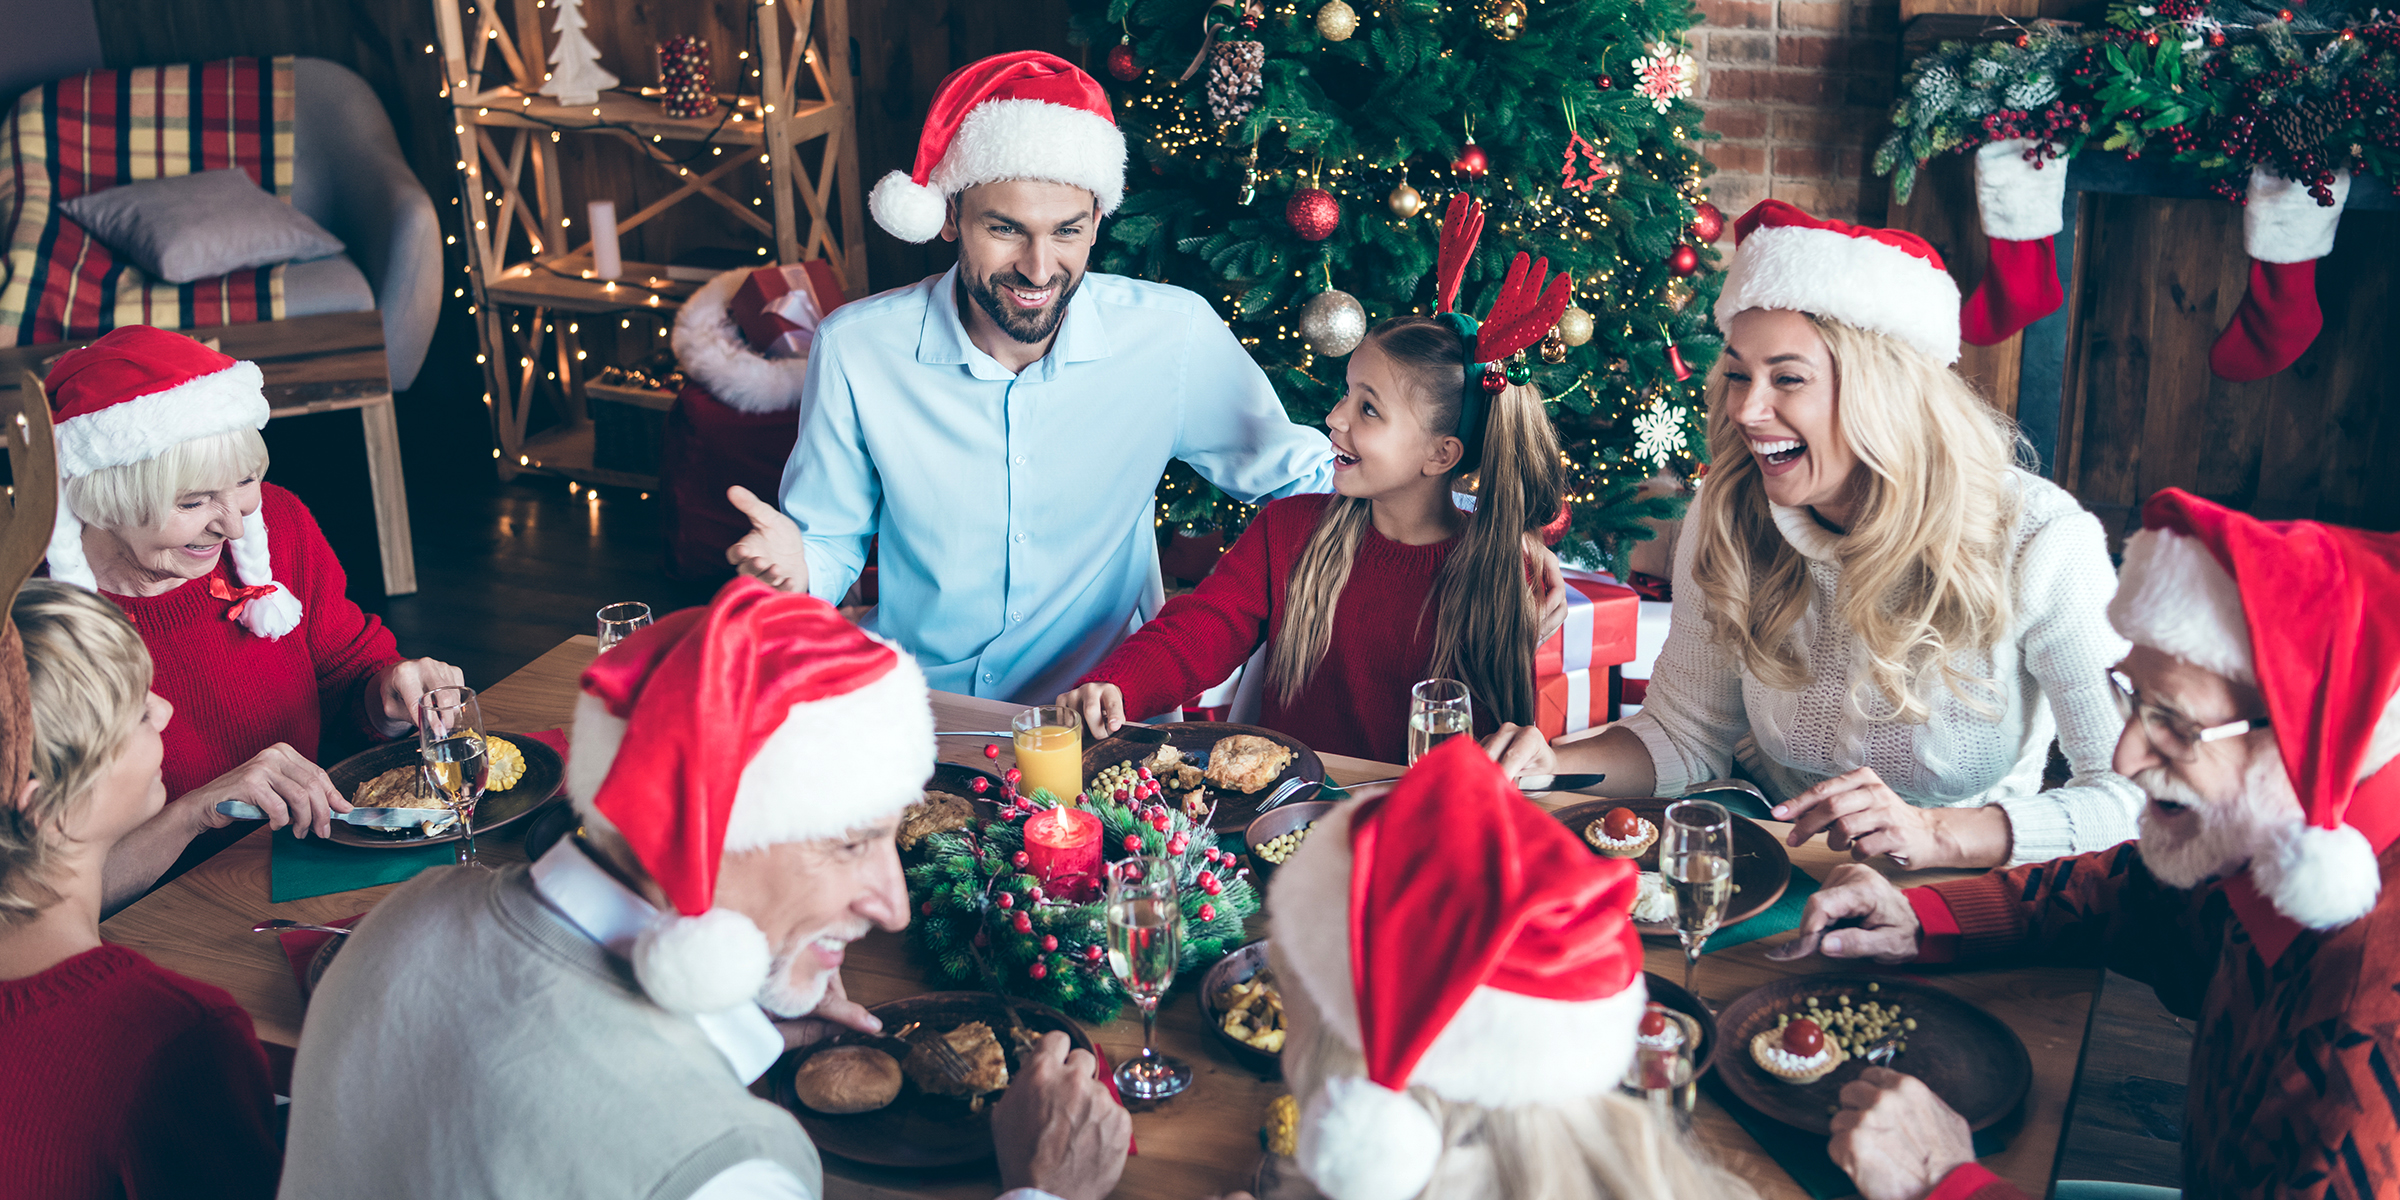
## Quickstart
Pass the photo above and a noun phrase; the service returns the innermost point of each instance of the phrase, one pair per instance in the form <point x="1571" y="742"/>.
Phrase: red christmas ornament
<point x="1092" y="953"/>
<point x="1313" y="213"/>
<point x="1471" y="161"/>
<point x="1006" y="901"/>
<point x="1049" y="941"/>
<point x="1021" y="858"/>
<point x="1683" y="261"/>
<point x="1708" y="223"/>
<point x="1208" y="912"/>
<point x="1675" y="361"/>
<point x="991" y="750"/>
<point x="1121" y="64"/>
<point x="1606" y="82"/>
<point x="2150" y="39"/>
<point x="1037" y="970"/>
<point x="1495" y="380"/>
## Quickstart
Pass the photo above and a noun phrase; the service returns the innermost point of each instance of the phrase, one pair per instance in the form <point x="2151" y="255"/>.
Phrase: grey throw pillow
<point x="199" y="226"/>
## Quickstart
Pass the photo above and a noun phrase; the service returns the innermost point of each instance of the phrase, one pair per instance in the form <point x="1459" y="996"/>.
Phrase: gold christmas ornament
<point x="1336" y="21"/>
<point x="1404" y="201"/>
<point x="1679" y="294"/>
<point x="1574" y="326"/>
<point x="1332" y="323"/>
<point x="1554" y="348"/>
<point x="1503" y="19"/>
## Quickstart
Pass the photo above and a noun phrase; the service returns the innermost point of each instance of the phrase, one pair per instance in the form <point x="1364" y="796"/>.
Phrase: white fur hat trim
<point x="273" y="615"/>
<point x="2282" y="223"/>
<point x="702" y="964"/>
<point x="1855" y="280"/>
<point x="2321" y="878"/>
<point x="1007" y="139"/>
<point x="2020" y="201"/>
<point x="144" y="427"/>
<point x="1500" y="1050"/>
<point x="1362" y="1141"/>
<point x="2176" y="598"/>
<point x="833" y="766"/>
<point x="711" y="349"/>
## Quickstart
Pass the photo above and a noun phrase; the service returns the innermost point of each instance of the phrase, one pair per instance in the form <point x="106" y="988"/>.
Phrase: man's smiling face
<point x="1022" y="250"/>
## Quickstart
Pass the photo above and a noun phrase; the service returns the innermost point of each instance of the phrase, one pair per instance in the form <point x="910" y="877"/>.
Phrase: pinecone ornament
<point x="1234" y="79"/>
<point x="2300" y="127"/>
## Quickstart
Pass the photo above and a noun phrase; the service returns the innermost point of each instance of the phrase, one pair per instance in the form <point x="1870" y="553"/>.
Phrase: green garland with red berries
<point x="983" y="921"/>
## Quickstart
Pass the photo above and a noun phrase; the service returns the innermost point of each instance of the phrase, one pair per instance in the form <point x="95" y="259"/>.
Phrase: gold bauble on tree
<point x="1574" y="326"/>
<point x="1503" y="19"/>
<point x="1336" y="21"/>
<point x="1679" y="294"/>
<point x="1332" y="323"/>
<point x="1405" y="202"/>
<point x="1554" y="348"/>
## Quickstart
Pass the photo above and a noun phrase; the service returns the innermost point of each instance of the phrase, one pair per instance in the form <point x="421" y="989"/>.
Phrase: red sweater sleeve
<point x="1973" y="1182"/>
<point x="1200" y="637"/>
<point x="348" y="644"/>
<point x="203" y="1125"/>
<point x="2099" y="909"/>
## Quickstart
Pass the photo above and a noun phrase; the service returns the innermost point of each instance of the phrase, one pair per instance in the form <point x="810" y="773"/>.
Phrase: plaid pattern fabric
<point x="90" y="132"/>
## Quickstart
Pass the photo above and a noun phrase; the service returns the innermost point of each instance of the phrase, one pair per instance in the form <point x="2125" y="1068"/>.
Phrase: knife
<point x="373" y="818"/>
<point x="1525" y="783"/>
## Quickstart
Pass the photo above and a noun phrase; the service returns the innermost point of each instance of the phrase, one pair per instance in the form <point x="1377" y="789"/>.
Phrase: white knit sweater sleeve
<point x="1692" y="713"/>
<point x="2064" y="584"/>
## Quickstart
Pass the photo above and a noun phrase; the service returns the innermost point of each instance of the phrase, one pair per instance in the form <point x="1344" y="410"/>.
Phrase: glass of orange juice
<point x="1049" y="751"/>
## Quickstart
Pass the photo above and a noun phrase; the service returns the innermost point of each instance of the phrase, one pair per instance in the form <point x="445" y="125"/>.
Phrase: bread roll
<point x="847" y="1079"/>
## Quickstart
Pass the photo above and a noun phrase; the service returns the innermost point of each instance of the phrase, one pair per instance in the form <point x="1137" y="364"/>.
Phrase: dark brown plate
<point x="1762" y="868"/>
<point x="1666" y="991"/>
<point x="1234" y="968"/>
<point x="1970" y="1058"/>
<point x="544" y="772"/>
<point x="1276" y="822"/>
<point x="918" y="1129"/>
<point x="1234" y="809"/>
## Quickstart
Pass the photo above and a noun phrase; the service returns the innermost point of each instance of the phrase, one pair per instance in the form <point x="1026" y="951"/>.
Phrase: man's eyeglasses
<point x="2175" y="736"/>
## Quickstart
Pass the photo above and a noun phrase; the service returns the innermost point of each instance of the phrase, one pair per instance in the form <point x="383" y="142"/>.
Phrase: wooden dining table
<point x="1201" y="1143"/>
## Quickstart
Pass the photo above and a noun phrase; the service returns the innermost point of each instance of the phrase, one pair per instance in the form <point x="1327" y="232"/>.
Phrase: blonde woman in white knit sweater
<point x="1878" y="616"/>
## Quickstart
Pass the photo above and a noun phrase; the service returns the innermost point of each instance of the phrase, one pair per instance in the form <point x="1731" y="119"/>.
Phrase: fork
<point x="1286" y="790"/>
<point x="1882" y="1051"/>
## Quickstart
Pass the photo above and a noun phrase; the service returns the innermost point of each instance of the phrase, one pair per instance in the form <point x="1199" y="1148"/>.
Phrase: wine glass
<point x="1145" y="944"/>
<point x="619" y="621"/>
<point x="1695" y="853"/>
<point x="1438" y="710"/>
<point x="450" y="737"/>
<point x="1663" y="1074"/>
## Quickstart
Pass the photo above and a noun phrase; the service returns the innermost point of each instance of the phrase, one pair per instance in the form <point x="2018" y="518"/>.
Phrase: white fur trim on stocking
<point x="2321" y="878"/>
<point x="141" y="429"/>
<point x="703" y="964"/>
<point x="273" y="615"/>
<point x="67" y="564"/>
<point x="710" y="348"/>
<point x="2175" y="597"/>
<point x="2282" y="223"/>
<point x="1857" y="281"/>
<point x="2020" y="201"/>
<point x="907" y="210"/>
<point x="1362" y="1141"/>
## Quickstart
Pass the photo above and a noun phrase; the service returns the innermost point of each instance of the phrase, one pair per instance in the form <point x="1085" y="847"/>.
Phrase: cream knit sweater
<point x="1702" y="712"/>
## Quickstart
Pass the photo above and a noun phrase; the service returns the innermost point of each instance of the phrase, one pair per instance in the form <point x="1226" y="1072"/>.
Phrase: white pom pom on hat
<point x="1360" y="1140"/>
<point x="910" y="211"/>
<point x="702" y="964"/>
<point x="1021" y="115"/>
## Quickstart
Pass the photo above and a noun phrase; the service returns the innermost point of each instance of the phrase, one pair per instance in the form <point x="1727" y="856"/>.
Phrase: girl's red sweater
<point x="1383" y="627"/>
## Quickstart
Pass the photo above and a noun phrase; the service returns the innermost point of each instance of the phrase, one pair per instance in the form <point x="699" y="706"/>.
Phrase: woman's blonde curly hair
<point x="90" y="680"/>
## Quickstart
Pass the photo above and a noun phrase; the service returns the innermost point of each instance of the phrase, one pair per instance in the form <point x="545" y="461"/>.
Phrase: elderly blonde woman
<point x="1877" y="615"/>
<point x="123" y="1079"/>
<point x="158" y="441"/>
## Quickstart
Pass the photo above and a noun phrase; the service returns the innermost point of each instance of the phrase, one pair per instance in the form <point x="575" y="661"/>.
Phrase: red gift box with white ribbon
<point x="1571" y="670"/>
<point x="778" y="307"/>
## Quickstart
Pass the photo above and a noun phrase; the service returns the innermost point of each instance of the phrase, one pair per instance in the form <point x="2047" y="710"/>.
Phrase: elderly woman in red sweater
<point x="158" y="441"/>
<point x="123" y="1079"/>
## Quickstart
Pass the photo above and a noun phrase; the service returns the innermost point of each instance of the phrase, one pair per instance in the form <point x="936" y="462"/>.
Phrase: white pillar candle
<point x="606" y="260"/>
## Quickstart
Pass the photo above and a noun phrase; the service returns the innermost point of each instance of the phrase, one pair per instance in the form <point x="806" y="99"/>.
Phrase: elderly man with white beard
<point x="2260" y="901"/>
<point x="587" y="1025"/>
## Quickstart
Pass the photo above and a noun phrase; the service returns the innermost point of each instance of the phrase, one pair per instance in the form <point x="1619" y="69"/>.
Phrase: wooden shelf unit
<point x="508" y="138"/>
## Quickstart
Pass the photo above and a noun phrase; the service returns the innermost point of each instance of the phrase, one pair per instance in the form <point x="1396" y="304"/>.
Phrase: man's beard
<point x="1027" y="327"/>
<point x="2229" y="833"/>
<point x="787" y="1000"/>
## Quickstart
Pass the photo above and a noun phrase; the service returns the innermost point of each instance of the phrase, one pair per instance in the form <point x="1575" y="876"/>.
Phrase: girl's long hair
<point x="1487" y="615"/>
<point x="1925" y="564"/>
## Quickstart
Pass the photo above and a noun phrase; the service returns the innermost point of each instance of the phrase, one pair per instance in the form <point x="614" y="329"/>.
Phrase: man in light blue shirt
<point x="1002" y="427"/>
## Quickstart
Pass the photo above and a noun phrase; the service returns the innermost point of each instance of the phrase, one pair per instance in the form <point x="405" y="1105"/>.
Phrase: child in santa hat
<point x="1462" y="987"/>
<point x="2262" y="718"/>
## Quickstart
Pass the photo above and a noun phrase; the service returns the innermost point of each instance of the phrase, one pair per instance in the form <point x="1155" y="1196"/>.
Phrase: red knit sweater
<point x="1357" y="702"/>
<point x="236" y="693"/>
<point x="124" y="1079"/>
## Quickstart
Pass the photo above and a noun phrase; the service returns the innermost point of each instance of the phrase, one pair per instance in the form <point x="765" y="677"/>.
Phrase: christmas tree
<point x="576" y="76"/>
<point x="1291" y="166"/>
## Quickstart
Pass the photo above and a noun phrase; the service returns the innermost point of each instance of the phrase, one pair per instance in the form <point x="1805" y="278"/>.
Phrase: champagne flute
<point x="619" y="621"/>
<point x="1663" y="1074"/>
<point x="1145" y="944"/>
<point x="1695" y="853"/>
<point x="1438" y="710"/>
<point x="450" y="737"/>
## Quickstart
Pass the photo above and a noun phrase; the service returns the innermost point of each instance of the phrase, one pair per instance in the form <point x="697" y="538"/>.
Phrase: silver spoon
<point x="278" y="925"/>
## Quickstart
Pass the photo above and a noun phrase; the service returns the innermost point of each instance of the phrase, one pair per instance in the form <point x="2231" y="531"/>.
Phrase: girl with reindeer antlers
<point x="1360" y="594"/>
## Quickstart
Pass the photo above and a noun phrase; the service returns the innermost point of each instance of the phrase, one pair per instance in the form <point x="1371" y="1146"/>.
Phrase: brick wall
<point x="1801" y="92"/>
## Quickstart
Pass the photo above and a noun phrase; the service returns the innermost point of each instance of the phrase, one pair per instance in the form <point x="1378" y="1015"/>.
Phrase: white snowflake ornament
<point x="1658" y="434"/>
<point x="1665" y="76"/>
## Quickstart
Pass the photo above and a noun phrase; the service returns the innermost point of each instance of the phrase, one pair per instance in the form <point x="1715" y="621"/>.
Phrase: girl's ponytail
<point x="1490" y="616"/>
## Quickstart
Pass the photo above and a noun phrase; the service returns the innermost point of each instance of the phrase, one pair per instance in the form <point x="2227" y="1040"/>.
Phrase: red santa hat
<point x="1463" y="941"/>
<point x="135" y="394"/>
<point x="2308" y="613"/>
<point x="1882" y="280"/>
<point x="1021" y="115"/>
<point x="762" y="719"/>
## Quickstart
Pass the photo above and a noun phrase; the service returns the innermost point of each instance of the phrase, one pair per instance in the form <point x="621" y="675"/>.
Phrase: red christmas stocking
<point x="2022" y="204"/>
<point x="2285" y="231"/>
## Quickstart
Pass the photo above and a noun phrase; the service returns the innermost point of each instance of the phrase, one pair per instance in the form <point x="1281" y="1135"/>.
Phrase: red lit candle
<point x="1062" y="848"/>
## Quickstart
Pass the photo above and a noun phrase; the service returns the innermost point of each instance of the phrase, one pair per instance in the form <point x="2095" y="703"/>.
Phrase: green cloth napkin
<point x="1780" y="917"/>
<point x="302" y="867"/>
<point x="1802" y="1155"/>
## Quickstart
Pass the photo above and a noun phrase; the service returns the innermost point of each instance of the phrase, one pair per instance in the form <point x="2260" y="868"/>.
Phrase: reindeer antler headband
<point x="1529" y="303"/>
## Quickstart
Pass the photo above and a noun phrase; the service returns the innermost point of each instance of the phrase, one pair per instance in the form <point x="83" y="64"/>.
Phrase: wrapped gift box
<point x="778" y="307"/>
<point x="1571" y="671"/>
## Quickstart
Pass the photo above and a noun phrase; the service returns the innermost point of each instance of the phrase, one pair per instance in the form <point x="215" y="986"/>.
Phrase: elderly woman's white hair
<point x="143" y="415"/>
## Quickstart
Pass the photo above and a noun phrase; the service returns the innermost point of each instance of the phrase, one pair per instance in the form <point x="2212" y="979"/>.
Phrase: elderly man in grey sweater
<point x="587" y="1025"/>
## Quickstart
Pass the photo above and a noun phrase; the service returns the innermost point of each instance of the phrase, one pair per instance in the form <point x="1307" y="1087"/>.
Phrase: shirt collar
<point x="1082" y="335"/>
<point x="1806" y="534"/>
<point x="611" y="914"/>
